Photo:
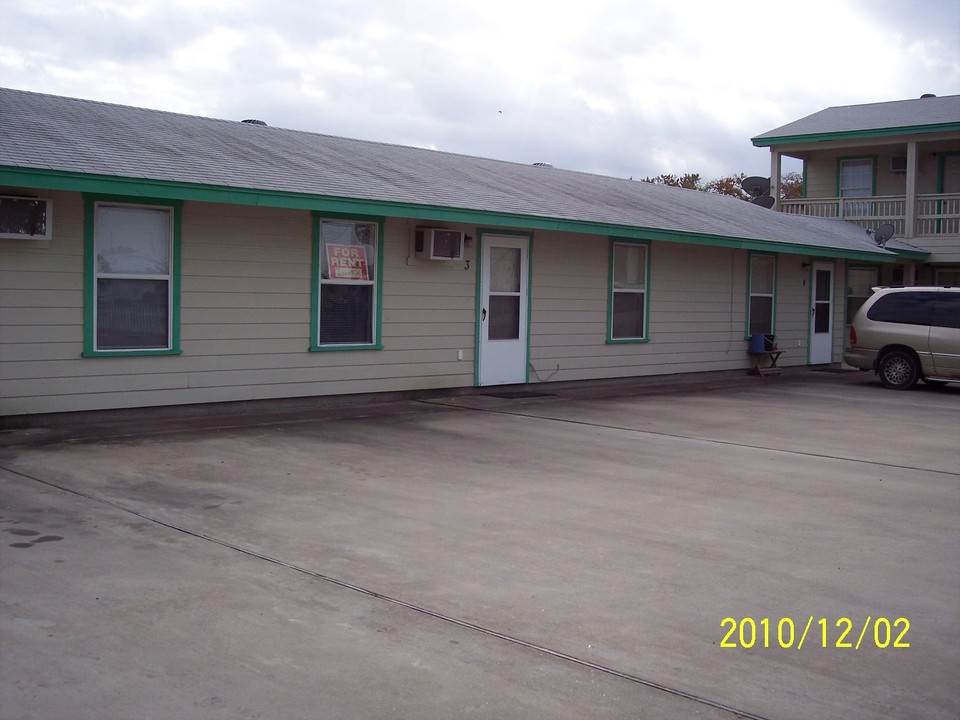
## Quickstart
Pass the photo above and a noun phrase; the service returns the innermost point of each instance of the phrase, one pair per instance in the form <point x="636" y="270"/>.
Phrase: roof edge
<point x="46" y="179"/>
<point x="761" y="141"/>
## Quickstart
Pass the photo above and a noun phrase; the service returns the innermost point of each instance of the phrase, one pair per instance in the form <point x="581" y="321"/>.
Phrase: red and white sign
<point x="347" y="262"/>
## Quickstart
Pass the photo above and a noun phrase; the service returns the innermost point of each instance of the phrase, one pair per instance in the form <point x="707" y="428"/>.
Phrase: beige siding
<point x="822" y="171"/>
<point x="697" y="300"/>
<point x="944" y="249"/>
<point x="245" y="320"/>
<point x="245" y="316"/>
<point x="41" y="311"/>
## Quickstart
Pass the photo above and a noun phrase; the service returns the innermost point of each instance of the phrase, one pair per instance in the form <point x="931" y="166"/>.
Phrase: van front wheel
<point x="898" y="370"/>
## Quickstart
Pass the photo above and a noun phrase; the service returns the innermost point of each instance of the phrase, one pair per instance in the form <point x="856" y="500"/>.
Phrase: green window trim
<point x="873" y="164"/>
<point x="614" y="242"/>
<point x="773" y="295"/>
<point x="315" y="284"/>
<point x="847" y="135"/>
<point x="91" y="201"/>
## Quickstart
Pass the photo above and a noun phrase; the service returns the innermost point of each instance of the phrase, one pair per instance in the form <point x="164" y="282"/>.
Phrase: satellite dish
<point x="883" y="234"/>
<point x="755" y="186"/>
<point x="764" y="201"/>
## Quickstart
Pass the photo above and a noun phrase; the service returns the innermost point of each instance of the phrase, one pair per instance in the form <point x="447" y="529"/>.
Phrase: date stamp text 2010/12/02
<point x="842" y="633"/>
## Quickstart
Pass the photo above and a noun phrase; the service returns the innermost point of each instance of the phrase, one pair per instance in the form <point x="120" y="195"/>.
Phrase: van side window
<point x="946" y="310"/>
<point x="911" y="308"/>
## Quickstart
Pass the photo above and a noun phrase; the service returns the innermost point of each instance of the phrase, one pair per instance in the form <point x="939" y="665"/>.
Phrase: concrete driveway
<point x="578" y="555"/>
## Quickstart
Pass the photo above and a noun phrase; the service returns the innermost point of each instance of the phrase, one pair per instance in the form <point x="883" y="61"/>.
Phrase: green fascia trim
<point x="855" y="134"/>
<point x="377" y="343"/>
<point x="911" y="254"/>
<point x="131" y="189"/>
<point x="610" y="340"/>
<point x="90" y="201"/>
<point x="764" y="246"/>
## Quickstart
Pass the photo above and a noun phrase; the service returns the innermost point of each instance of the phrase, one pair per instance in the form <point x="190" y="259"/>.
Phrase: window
<point x="506" y="286"/>
<point x="947" y="276"/>
<point x="946" y="310"/>
<point x="132" y="275"/>
<point x="762" y="291"/>
<point x="346" y="296"/>
<point x="909" y="308"/>
<point x="860" y="280"/>
<point x="856" y="181"/>
<point x="940" y="309"/>
<point x="628" y="291"/>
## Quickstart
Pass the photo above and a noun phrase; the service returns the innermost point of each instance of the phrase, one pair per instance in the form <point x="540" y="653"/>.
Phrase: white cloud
<point x="622" y="87"/>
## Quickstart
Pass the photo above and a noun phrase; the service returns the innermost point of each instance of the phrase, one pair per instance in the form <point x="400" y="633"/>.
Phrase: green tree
<point x="729" y="185"/>
<point x="791" y="184"/>
<point x="690" y="181"/>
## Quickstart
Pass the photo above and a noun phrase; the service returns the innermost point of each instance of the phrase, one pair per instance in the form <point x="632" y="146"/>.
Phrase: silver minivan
<point x="908" y="334"/>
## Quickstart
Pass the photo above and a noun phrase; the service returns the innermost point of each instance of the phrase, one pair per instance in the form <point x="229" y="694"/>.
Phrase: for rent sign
<point x="347" y="262"/>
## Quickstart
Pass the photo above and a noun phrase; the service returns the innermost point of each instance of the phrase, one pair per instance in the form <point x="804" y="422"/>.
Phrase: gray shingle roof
<point x="98" y="139"/>
<point x="907" y="115"/>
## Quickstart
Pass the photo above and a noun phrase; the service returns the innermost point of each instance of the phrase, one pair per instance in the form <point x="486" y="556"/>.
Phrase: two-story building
<point x="894" y="163"/>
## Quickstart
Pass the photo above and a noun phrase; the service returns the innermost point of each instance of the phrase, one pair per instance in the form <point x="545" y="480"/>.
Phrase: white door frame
<point x="822" y="308"/>
<point x="502" y="361"/>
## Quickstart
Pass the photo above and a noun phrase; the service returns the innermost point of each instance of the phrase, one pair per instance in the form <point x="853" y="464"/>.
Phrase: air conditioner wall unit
<point x="898" y="164"/>
<point x="25" y="218"/>
<point x="438" y="244"/>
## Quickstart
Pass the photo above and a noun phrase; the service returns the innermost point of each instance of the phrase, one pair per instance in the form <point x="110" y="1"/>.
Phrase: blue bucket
<point x="757" y="343"/>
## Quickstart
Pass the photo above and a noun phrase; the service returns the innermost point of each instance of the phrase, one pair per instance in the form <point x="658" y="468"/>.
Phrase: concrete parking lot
<point x="583" y="553"/>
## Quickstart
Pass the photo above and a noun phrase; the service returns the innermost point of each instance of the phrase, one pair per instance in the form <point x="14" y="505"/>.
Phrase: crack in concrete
<point x="422" y="610"/>
<point x="678" y="436"/>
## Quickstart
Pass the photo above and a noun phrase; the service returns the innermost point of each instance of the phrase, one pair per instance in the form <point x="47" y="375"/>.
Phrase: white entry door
<point x="821" y="314"/>
<point x="504" y="298"/>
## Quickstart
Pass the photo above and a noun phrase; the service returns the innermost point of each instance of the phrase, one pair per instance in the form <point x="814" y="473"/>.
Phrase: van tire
<point x="898" y="370"/>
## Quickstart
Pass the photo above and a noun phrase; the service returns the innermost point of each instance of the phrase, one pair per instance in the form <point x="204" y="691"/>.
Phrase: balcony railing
<point x="933" y="215"/>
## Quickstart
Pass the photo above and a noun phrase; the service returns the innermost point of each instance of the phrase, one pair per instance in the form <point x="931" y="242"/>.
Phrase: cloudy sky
<point x="627" y="88"/>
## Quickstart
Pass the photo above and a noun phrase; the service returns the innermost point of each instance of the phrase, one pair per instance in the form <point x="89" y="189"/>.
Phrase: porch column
<point x="910" y="217"/>
<point x="776" y="161"/>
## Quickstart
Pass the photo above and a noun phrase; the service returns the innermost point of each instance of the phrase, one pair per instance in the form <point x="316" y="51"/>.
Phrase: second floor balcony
<point x="930" y="216"/>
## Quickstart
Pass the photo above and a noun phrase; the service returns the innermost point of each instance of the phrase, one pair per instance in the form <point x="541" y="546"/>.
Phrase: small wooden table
<point x="765" y="361"/>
